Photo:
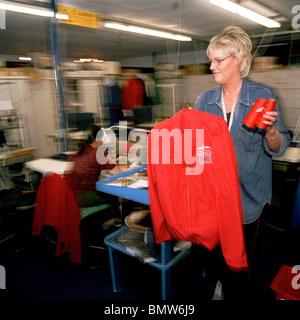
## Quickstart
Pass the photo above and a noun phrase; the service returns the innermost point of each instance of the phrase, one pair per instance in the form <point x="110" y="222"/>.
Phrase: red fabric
<point x="204" y="208"/>
<point x="132" y="93"/>
<point x="56" y="206"/>
<point x="86" y="170"/>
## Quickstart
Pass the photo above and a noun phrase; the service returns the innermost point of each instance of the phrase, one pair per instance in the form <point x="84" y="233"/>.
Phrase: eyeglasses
<point x="217" y="62"/>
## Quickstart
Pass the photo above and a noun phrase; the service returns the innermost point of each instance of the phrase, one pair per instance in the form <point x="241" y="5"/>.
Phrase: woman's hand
<point x="270" y="119"/>
<point x="272" y="135"/>
<point x="115" y="170"/>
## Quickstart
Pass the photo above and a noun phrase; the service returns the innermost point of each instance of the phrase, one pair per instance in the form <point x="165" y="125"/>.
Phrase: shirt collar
<point x="243" y="97"/>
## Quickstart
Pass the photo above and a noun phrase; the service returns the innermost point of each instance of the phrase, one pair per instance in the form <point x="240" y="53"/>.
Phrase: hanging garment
<point x="132" y="93"/>
<point x="56" y="207"/>
<point x="112" y="101"/>
<point x="195" y="197"/>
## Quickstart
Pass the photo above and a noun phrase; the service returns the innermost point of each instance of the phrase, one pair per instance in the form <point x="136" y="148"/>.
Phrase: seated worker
<point x="86" y="172"/>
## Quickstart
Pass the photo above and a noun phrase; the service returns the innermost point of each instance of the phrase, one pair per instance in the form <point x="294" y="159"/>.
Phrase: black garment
<point x="228" y="116"/>
<point x="9" y="199"/>
<point x="234" y="284"/>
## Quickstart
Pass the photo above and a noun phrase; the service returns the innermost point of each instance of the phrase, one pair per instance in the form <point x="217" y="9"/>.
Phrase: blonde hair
<point x="235" y="42"/>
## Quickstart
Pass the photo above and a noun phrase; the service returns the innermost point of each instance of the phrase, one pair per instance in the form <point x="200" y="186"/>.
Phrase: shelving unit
<point x="15" y="147"/>
<point x="11" y="115"/>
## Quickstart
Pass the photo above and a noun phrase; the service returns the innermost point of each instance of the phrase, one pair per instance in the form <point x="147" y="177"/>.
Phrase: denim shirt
<point x="254" y="158"/>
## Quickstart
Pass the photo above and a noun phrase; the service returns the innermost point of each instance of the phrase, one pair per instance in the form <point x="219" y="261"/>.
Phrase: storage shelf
<point x="132" y="243"/>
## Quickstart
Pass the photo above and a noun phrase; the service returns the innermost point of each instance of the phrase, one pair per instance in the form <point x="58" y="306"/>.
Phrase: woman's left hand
<point x="270" y="119"/>
<point x="272" y="135"/>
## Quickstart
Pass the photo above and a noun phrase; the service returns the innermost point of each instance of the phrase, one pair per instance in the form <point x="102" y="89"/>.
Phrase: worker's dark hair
<point x="95" y="132"/>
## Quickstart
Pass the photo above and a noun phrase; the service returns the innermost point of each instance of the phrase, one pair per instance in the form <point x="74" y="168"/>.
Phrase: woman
<point x="230" y="56"/>
<point x="86" y="172"/>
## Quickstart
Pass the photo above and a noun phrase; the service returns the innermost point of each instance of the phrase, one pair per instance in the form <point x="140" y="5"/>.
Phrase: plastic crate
<point x="286" y="283"/>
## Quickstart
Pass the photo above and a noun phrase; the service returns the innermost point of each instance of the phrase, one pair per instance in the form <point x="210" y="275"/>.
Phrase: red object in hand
<point x="252" y="116"/>
<point x="269" y="106"/>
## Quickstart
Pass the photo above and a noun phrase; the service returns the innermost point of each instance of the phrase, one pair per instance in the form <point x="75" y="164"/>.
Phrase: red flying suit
<point x="56" y="206"/>
<point x="195" y="197"/>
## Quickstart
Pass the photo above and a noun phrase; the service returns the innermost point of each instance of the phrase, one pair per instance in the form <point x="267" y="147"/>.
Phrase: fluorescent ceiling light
<point x="61" y="16"/>
<point x="25" y="58"/>
<point x="90" y="60"/>
<point x="146" y="31"/>
<point x="259" y="8"/>
<point x="246" y="13"/>
<point x="5" y="5"/>
<point x="82" y="60"/>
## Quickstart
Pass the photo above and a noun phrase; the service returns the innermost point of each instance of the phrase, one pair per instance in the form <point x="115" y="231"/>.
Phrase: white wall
<point x="41" y="117"/>
<point x="180" y="58"/>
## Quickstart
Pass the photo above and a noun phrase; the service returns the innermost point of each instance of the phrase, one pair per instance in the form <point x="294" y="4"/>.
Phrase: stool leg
<point x="166" y="283"/>
<point x="115" y="270"/>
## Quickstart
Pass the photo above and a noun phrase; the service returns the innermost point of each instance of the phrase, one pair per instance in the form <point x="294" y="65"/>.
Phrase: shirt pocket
<point x="249" y="142"/>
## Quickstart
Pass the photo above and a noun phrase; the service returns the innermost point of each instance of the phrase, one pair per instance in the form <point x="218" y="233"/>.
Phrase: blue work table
<point x="138" y="195"/>
<point x="117" y="241"/>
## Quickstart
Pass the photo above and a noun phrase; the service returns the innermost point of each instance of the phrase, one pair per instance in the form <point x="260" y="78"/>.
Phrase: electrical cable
<point x="260" y="43"/>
